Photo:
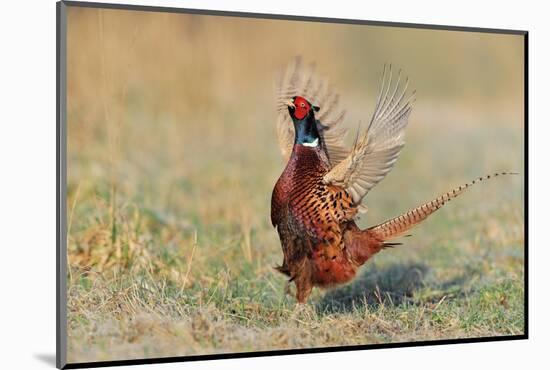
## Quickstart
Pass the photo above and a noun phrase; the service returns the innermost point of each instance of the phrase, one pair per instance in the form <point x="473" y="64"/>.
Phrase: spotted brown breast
<point x="311" y="217"/>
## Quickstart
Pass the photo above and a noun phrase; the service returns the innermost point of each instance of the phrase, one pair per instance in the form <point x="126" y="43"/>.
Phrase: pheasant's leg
<point x="303" y="292"/>
<point x="304" y="285"/>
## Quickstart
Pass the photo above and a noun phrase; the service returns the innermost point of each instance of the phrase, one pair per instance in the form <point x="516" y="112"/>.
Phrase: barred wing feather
<point x="375" y="152"/>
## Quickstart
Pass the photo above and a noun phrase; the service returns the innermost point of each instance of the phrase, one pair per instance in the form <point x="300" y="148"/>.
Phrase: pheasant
<point x="318" y="197"/>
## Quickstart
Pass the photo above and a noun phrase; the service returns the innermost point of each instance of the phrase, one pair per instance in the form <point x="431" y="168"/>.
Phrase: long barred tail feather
<point x="399" y="225"/>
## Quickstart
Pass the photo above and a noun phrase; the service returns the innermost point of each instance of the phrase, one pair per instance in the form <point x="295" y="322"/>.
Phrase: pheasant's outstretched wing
<point x="375" y="152"/>
<point x="301" y="80"/>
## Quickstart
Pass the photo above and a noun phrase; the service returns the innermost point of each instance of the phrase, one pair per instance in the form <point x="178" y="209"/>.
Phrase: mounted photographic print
<point x="235" y="184"/>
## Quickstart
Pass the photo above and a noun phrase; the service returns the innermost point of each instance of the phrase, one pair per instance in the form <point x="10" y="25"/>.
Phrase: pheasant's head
<point x="305" y="124"/>
<point x="299" y="108"/>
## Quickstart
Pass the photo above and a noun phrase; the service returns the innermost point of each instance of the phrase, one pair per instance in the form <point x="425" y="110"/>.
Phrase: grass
<point x="176" y="258"/>
<point x="170" y="245"/>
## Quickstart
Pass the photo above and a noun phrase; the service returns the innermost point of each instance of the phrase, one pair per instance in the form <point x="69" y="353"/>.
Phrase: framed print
<point x="235" y="184"/>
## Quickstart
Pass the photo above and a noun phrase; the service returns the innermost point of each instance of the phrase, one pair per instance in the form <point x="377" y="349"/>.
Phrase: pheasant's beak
<point x="290" y="103"/>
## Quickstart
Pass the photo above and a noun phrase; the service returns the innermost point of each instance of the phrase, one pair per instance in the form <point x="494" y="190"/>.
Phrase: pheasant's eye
<point x="303" y="105"/>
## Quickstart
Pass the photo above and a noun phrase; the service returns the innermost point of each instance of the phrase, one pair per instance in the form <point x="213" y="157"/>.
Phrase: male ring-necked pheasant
<point x="319" y="194"/>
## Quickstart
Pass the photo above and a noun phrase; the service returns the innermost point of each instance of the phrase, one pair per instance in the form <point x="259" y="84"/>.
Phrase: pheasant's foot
<point x="302" y="312"/>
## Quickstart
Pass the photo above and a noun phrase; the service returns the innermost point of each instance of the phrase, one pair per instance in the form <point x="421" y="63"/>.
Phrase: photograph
<point x="241" y="184"/>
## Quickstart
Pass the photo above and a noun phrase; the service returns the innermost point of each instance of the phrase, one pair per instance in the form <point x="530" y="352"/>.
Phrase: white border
<point x="28" y="182"/>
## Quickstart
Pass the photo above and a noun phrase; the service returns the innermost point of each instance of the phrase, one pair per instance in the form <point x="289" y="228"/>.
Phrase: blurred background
<point x="172" y="157"/>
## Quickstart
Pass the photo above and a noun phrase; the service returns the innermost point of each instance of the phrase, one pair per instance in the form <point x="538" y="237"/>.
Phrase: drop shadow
<point x="47" y="358"/>
<point x="393" y="285"/>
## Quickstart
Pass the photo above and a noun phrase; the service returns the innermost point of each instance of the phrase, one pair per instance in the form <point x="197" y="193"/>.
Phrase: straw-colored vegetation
<point x="172" y="157"/>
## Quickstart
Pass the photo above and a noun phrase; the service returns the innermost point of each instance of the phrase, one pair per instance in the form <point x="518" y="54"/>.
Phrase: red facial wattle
<point x="302" y="108"/>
